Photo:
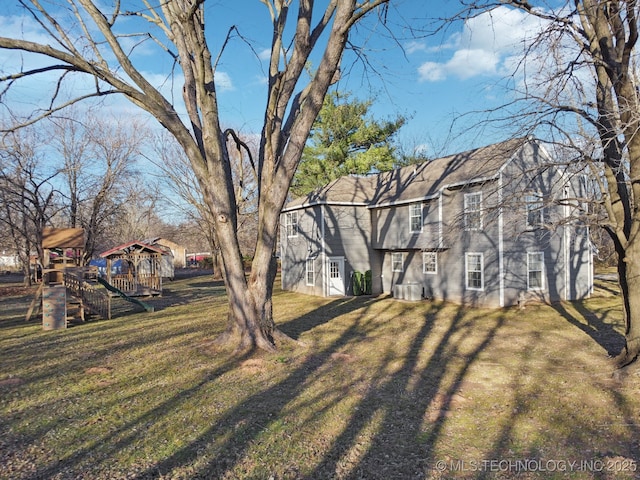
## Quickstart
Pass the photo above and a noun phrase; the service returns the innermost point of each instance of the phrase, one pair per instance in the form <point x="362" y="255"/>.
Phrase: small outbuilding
<point x="178" y="254"/>
<point x="140" y="269"/>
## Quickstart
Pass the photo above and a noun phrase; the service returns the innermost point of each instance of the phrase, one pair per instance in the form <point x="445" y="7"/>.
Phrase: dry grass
<point x="382" y="390"/>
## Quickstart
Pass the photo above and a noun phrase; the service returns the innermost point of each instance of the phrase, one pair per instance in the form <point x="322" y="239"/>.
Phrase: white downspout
<point x="567" y="240"/>
<point x="500" y="240"/>
<point x="323" y="254"/>
<point x="440" y="218"/>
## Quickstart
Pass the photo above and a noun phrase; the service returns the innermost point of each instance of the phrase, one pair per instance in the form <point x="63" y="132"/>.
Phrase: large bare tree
<point x="578" y="81"/>
<point x="98" y="43"/>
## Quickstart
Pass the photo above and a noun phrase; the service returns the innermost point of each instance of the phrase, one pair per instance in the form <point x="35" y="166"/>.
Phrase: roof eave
<point x="324" y="202"/>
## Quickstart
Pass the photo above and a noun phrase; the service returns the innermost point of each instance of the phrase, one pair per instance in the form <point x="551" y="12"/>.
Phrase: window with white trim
<point x="533" y="202"/>
<point x="310" y="272"/>
<point x="535" y="270"/>
<point x="429" y="262"/>
<point x="415" y="217"/>
<point x="291" y="224"/>
<point x="473" y="211"/>
<point x="397" y="262"/>
<point x="474" y="271"/>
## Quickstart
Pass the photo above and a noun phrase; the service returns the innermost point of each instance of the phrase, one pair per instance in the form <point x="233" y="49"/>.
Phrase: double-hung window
<point x="310" y="271"/>
<point x="473" y="211"/>
<point x="535" y="211"/>
<point x="291" y="224"/>
<point x="397" y="262"/>
<point x="535" y="270"/>
<point x="415" y="217"/>
<point x="429" y="262"/>
<point x="474" y="271"/>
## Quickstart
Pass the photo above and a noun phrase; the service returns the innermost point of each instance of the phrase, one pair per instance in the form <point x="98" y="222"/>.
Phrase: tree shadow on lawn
<point x="124" y="436"/>
<point x="13" y="310"/>
<point x="594" y="325"/>
<point x="399" y="416"/>
<point x="414" y="404"/>
<point x="186" y="292"/>
<point x="395" y="403"/>
<point x="590" y="432"/>
<point x="320" y="316"/>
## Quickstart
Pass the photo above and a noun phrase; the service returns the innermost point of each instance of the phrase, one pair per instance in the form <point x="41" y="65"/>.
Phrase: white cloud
<point x="432" y="72"/>
<point x="464" y="64"/>
<point x="223" y="82"/>
<point x="486" y="46"/>
<point x="415" y="46"/>
<point x="22" y="27"/>
<point x="264" y="54"/>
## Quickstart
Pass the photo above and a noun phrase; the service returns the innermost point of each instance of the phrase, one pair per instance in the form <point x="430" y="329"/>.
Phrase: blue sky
<point x="432" y="79"/>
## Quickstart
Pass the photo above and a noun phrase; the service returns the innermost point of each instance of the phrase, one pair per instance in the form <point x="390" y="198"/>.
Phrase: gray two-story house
<point x="490" y="227"/>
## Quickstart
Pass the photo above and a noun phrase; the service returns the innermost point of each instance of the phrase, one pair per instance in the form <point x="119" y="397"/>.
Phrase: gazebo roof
<point x="130" y="248"/>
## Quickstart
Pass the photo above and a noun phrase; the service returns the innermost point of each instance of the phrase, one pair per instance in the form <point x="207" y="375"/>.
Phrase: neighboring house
<point x="178" y="252"/>
<point x="490" y="227"/>
<point x="9" y="261"/>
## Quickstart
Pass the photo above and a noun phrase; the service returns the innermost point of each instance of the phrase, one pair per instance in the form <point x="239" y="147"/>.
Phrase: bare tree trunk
<point x="292" y="106"/>
<point x="216" y="262"/>
<point x="247" y="325"/>
<point x="27" y="280"/>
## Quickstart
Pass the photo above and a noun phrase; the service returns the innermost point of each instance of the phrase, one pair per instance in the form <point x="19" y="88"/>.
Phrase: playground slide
<point x="124" y="296"/>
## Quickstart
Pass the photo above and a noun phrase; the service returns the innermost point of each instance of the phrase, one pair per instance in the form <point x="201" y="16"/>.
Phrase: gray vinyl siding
<point x="367" y="237"/>
<point x="392" y="228"/>
<point x="563" y="278"/>
<point x="449" y="283"/>
<point x="296" y="250"/>
<point x="461" y="241"/>
<point x="523" y="176"/>
<point x="347" y="233"/>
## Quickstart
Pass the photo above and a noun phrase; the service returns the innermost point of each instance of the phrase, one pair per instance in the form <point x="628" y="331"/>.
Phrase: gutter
<point x="321" y="203"/>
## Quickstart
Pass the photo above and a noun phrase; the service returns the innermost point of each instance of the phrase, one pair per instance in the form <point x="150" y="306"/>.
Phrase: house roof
<point x="348" y="190"/>
<point x="415" y="182"/>
<point x="130" y="247"/>
<point x="162" y="242"/>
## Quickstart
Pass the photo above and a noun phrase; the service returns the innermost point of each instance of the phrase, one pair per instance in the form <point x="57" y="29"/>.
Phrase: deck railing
<point x="130" y="284"/>
<point x="92" y="297"/>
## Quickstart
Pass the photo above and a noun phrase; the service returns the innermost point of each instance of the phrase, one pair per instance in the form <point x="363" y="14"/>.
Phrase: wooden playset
<point x="70" y="291"/>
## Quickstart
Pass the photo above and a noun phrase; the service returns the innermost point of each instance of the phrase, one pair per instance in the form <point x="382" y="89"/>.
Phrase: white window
<point x="535" y="210"/>
<point x="535" y="270"/>
<point x="473" y="211"/>
<point x="291" y="224"/>
<point x="474" y="271"/>
<point x="429" y="262"/>
<point x="415" y="217"/>
<point x="310" y="272"/>
<point x="397" y="262"/>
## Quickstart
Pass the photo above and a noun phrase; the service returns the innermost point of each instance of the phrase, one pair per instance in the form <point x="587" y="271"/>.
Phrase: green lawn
<point x="381" y="389"/>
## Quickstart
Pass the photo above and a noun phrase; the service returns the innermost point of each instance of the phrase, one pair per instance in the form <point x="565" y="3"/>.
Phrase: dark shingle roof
<point x="415" y="182"/>
<point x="350" y="190"/>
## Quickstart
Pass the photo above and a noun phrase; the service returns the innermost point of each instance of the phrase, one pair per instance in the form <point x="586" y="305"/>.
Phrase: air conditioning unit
<point x="413" y="292"/>
<point x="408" y="291"/>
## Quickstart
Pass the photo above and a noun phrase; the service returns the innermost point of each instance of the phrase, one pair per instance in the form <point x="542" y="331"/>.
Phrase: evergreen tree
<point x="345" y="140"/>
